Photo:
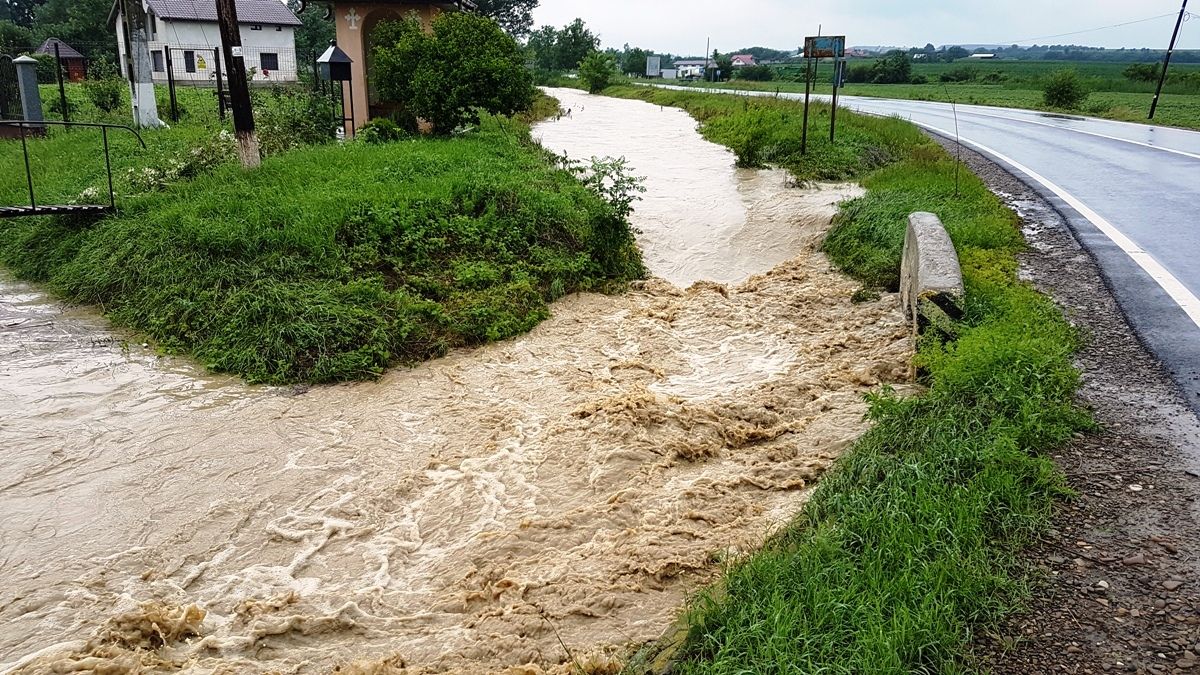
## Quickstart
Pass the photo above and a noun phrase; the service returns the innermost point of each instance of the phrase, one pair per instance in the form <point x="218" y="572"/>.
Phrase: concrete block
<point x="31" y="98"/>
<point x="931" y="283"/>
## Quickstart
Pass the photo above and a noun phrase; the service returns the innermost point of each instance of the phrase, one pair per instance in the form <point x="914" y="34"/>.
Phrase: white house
<point x="184" y="35"/>
<point x="692" y="68"/>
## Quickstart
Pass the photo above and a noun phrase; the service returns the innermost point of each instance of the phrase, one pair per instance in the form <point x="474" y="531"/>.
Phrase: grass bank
<point x="1175" y="109"/>
<point x="910" y="545"/>
<point x="329" y="262"/>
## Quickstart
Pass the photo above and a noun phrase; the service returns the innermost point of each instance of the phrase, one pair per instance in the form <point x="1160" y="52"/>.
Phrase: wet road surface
<point x="1129" y="191"/>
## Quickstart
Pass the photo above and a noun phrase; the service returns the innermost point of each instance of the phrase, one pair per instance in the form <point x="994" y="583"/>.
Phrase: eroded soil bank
<point x="564" y="490"/>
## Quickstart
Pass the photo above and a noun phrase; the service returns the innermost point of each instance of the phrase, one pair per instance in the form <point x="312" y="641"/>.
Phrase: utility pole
<point x="1162" y="79"/>
<point x="707" y="44"/>
<point x="239" y="88"/>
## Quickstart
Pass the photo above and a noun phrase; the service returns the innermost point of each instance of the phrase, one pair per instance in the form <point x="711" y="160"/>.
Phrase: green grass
<point x="910" y="546"/>
<point x="327" y="263"/>
<point x="1018" y="84"/>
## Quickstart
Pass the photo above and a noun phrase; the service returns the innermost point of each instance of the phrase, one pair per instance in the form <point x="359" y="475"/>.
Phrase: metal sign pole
<point x="837" y="81"/>
<point x="808" y="76"/>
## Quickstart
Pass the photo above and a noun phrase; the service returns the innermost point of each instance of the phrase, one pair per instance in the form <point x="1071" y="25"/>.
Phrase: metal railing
<point x="33" y="209"/>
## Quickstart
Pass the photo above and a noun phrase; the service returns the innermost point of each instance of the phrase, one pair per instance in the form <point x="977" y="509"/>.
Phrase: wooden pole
<point x="1167" y="61"/>
<point x="239" y="88"/>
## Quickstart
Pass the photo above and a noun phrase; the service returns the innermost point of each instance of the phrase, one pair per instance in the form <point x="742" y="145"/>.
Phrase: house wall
<point x="202" y="37"/>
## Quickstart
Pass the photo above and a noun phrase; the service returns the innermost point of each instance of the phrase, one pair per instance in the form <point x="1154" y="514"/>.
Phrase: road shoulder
<point x="1118" y="588"/>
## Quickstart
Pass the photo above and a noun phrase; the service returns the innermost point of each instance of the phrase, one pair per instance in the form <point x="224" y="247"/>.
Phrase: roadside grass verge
<point x="330" y="262"/>
<point x="911" y="544"/>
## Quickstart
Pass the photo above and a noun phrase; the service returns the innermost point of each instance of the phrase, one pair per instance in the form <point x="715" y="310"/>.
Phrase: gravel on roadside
<point x="1117" y="578"/>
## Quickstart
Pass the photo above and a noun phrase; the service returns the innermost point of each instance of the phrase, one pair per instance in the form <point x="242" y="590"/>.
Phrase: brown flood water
<point x="569" y="487"/>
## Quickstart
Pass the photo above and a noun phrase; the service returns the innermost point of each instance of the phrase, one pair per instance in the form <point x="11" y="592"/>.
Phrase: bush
<point x="963" y="74"/>
<point x="596" y="71"/>
<point x="919" y="79"/>
<point x="895" y="68"/>
<point x="47" y="68"/>
<point x="466" y="65"/>
<point x="858" y="74"/>
<point x="287" y="118"/>
<point x="1065" y="89"/>
<point x="1143" y="72"/>
<point x="756" y="73"/>
<point x="380" y="131"/>
<point x="104" y="86"/>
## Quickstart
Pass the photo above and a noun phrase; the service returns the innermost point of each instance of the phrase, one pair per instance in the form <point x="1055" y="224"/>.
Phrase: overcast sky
<point x="681" y="26"/>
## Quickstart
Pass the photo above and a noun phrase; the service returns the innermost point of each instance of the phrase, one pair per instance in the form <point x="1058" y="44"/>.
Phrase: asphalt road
<point x="1130" y="192"/>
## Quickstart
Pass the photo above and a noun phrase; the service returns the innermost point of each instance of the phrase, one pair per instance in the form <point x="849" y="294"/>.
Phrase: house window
<point x="268" y="61"/>
<point x="278" y="29"/>
<point x="256" y="27"/>
<point x="189" y="61"/>
<point x="159" y="64"/>
<point x="153" y="26"/>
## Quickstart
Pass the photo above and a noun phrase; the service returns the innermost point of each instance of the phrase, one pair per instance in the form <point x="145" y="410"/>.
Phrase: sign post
<point x="822" y="47"/>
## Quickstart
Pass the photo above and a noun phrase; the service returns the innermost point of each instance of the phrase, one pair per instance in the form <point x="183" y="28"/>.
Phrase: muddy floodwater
<point x="568" y="488"/>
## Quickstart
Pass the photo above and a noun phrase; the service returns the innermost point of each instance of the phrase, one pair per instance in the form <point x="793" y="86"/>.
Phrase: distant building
<point x="189" y="29"/>
<point x="74" y="62"/>
<point x="743" y="60"/>
<point x="693" y="68"/>
<point x="982" y="57"/>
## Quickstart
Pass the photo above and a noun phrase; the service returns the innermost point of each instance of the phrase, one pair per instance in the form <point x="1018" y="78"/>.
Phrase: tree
<point x="756" y="73"/>
<point x="81" y="23"/>
<point x="597" y="70"/>
<point x="543" y="43"/>
<point x="1065" y="89"/>
<point x="574" y="43"/>
<point x="514" y="16"/>
<point x="312" y="38"/>
<point x="895" y="68"/>
<point x="724" y="66"/>
<point x="955" y="53"/>
<point x="20" y="12"/>
<point x="635" y="61"/>
<point x="467" y="64"/>
<point x="14" y="39"/>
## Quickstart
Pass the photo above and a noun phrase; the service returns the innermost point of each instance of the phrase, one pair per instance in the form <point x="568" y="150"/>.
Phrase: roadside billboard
<point x="825" y="47"/>
<point x="653" y="66"/>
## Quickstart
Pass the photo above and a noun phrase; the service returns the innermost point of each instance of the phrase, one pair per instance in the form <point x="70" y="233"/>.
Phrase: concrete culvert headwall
<point x="931" y="282"/>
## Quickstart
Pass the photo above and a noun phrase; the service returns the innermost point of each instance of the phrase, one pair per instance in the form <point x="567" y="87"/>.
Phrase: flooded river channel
<point x="567" y="488"/>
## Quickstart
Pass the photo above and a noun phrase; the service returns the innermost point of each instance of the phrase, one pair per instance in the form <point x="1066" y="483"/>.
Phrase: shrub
<point x="47" y="68"/>
<point x="919" y="79"/>
<point x="597" y="71"/>
<point x="1143" y="72"/>
<point x="1065" y="89"/>
<point x="379" y="131"/>
<point x="895" y="68"/>
<point x="858" y="74"/>
<point x="287" y="118"/>
<point x="104" y="86"/>
<point x="963" y="74"/>
<point x="466" y="65"/>
<point x="756" y="73"/>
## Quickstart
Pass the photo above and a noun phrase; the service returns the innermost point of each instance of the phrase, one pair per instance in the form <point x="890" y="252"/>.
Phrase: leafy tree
<point x="514" y="16"/>
<point x="1065" y="89"/>
<point x="468" y="63"/>
<point x="895" y="68"/>
<point x="1143" y="72"/>
<point x="15" y="39"/>
<point x="81" y="23"/>
<point x="20" y="12"/>
<point x="955" y="53"/>
<point x="543" y="44"/>
<point x="314" y="35"/>
<point x="635" y="61"/>
<point x="574" y="43"/>
<point x="724" y="66"/>
<point x="597" y="71"/>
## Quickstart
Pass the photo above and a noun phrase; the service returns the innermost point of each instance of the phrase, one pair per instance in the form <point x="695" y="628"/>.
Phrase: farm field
<point x="1016" y="84"/>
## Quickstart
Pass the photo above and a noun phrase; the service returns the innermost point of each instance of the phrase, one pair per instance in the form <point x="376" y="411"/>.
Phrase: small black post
<point x="112" y="197"/>
<point x="808" y="76"/>
<point x="1162" y="79"/>
<point x="28" y="170"/>
<point x="351" y="83"/>
<point x="220" y="83"/>
<point x="239" y="88"/>
<point x="62" y="89"/>
<point x="169" y="63"/>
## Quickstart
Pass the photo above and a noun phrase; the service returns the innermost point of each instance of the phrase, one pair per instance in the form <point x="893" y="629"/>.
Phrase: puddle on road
<point x="477" y="512"/>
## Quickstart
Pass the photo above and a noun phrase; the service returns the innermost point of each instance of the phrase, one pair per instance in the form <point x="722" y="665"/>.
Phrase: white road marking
<point x="1182" y="296"/>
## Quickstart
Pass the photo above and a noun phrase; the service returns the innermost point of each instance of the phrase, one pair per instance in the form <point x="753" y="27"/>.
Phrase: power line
<point x="1093" y="30"/>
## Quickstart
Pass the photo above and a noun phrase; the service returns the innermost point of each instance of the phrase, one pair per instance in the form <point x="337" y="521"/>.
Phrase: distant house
<point x="982" y="57"/>
<point x="693" y="68"/>
<point x="743" y="60"/>
<point x="188" y="28"/>
<point x="74" y="62"/>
